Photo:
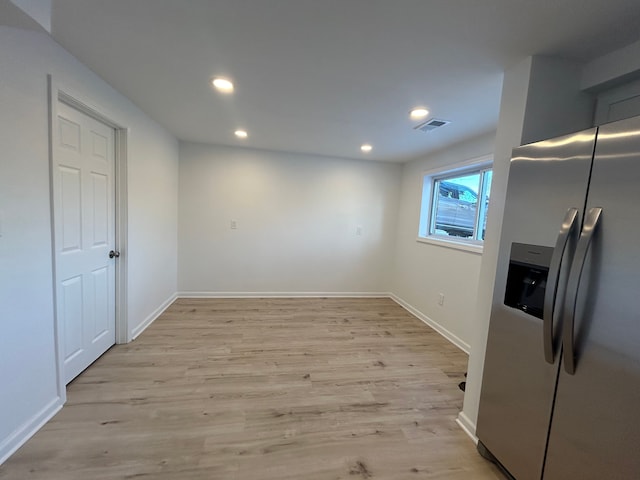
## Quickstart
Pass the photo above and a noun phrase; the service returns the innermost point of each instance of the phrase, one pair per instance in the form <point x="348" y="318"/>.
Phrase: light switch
<point x="234" y="225"/>
<point x="359" y="230"/>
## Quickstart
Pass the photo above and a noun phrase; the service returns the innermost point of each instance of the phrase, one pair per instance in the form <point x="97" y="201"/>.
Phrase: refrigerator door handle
<point x="551" y="290"/>
<point x="590" y="225"/>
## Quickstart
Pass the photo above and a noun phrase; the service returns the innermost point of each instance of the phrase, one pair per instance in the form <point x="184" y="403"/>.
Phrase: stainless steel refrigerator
<point x="560" y="393"/>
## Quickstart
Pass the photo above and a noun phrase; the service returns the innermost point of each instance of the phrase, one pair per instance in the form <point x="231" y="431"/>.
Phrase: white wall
<point x="39" y="10"/>
<point x="27" y="348"/>
<point x="297" y="218"/>
<point x="153" y="220"/>
<point x="614" y="68"/>
<point x="422" y="271"/>
<point x="540" y="99"/>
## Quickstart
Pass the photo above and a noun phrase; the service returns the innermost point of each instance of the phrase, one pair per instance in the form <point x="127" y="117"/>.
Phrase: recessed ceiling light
<point x="418" y="113"/>
<point x="366" y="148"/>
<point x="241" y="134"/>
<point x="222" y="84"/>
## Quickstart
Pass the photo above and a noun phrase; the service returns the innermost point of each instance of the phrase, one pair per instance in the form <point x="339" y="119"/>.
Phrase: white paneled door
<point x="84" y="224"/>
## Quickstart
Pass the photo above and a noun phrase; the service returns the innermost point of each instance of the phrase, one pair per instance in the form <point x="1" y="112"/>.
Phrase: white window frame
<point x="427" y="209"/>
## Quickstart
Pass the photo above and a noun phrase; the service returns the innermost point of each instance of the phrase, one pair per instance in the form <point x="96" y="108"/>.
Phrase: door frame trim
<point x="60" y="93"/>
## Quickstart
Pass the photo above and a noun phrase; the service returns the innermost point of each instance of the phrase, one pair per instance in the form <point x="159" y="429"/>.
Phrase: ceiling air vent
<point x="431" y="125"/>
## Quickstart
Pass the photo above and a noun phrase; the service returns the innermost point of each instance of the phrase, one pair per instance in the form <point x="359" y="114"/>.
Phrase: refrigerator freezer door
<point x="595" y="431"/>
<point x="546" y="179"/>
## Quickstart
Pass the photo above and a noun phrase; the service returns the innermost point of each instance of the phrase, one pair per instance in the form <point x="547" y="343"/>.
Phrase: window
<point x="455" y="204"/>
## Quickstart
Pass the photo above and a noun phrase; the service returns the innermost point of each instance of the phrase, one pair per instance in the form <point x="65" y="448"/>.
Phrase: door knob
<point x="114" y="254"/>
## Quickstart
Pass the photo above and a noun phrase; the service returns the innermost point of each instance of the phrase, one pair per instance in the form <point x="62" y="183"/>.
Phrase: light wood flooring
<point x="265" y="389"/>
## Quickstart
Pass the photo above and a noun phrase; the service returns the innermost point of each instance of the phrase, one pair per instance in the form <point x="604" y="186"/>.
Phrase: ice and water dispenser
<point x="527" y="277"/>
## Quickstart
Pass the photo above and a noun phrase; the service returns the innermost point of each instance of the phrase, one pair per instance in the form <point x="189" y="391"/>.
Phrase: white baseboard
<point x="19" y="437"/>
<point x="468" y="426"/>
<point x="462" y="345"/>
<point x="188" y="294"/>
<point x="25" y="432"/>
<point x="151" y="318"/>
<point x="457" y="341"/>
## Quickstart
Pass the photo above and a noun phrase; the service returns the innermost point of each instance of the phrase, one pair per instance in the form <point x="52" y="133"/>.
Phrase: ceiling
<point x="324" y="76"/>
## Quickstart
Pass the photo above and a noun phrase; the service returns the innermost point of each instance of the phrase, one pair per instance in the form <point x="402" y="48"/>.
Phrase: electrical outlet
<point x="441" y="299"/>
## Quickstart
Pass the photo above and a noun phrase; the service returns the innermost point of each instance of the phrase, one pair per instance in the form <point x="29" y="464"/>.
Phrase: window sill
<point x="456" y="245"/>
